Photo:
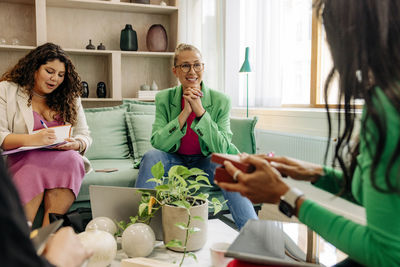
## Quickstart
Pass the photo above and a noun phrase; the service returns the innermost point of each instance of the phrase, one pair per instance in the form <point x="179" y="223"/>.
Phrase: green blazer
<point x="213" y="128"/>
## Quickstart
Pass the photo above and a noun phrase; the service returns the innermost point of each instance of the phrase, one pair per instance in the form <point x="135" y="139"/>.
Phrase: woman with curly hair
<point x="44" y="86"/>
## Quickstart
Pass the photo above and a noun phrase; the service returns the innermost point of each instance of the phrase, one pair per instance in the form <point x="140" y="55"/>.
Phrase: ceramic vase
<point x="128" y="41"/>
<point x="172" y="215"/>
<point x="90" y="45"/>
<point x="101" y="90"/>
<point x="85" y="89"/>
<point x="154" y="86"/>
<point x="144" y="87"/>
<point x="138" y="240"/>
<point x="156" y="39"/>
<point x="101" y="47"/>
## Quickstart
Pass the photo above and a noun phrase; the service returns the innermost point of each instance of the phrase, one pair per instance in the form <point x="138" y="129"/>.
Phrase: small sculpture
<point x="101" y="47"/>
<point x="101" y="90"/>
<point x="85" y="89"/>
<point x="162" y="3"/>
<point x="144" y="87"/>
<point x="90" y="45"/>
<point x="154" y="86"/>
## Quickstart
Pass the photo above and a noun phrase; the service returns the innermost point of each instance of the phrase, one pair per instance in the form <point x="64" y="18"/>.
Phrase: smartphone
<point x="221" y="175"/>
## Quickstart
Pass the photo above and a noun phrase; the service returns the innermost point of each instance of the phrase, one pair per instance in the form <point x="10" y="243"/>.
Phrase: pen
<point x="44" y="124"/>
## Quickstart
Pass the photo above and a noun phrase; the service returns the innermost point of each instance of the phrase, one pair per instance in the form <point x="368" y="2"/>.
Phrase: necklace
<point x="39" y="95"/>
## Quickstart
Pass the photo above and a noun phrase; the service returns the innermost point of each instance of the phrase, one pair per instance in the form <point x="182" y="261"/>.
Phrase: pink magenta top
<point x="190" y="142"/>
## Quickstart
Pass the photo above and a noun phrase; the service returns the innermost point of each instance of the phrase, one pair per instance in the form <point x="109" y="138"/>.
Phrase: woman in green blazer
<point x="192" y="121"/>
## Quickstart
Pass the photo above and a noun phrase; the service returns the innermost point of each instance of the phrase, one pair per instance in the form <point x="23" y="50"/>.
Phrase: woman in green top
<point x="364" y="37"/>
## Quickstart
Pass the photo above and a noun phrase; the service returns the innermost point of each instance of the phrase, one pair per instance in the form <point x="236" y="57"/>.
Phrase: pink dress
<point x="35" y="171"/>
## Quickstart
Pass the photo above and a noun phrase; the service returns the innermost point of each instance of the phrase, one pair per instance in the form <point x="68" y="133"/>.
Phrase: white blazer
<point x="17" y="117"/>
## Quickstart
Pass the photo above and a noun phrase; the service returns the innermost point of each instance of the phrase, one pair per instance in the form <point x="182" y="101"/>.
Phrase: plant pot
<point x="172" y="215"/>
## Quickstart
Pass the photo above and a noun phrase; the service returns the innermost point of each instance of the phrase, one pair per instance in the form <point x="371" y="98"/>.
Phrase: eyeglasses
<point x="185" y="67"/>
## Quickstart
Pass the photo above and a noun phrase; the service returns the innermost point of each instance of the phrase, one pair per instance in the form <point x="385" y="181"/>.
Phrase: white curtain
<point x="278" y="33"/>
<point x="201" y="24"/>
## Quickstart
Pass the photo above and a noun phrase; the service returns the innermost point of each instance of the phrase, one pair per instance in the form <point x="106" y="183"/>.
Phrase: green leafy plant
<point x="181" y="188"/>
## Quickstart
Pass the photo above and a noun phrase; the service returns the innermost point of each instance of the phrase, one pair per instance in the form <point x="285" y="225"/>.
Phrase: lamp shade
<point x="246" y="64"/>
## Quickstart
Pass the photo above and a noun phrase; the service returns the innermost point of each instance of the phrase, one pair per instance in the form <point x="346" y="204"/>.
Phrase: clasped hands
<point x="192" y="96"/>
<point x="265" y="184"/>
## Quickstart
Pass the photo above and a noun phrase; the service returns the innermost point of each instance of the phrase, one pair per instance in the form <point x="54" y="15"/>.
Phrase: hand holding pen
<point x="45" y="137"/>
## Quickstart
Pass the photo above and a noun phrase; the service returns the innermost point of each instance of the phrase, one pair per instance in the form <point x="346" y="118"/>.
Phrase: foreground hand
<point x="296" y="169"/>
<point x="264" y="185"/>
<point x="71" y="144"/>
<point x="65" y="249"/>
<point x="44" y="137"/>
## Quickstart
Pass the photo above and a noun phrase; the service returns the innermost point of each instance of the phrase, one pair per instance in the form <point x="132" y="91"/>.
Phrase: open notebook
<point x="62" y="132"/>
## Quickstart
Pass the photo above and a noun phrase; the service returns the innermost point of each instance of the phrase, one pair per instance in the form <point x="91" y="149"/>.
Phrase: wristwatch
<point x="287" y="205"/>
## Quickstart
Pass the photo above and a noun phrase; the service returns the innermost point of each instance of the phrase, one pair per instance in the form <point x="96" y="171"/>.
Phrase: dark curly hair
<point x="364" y="39"/>
<point x="63" y="99"/>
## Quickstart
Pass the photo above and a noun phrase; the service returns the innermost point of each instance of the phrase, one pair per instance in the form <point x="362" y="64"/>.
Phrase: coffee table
<point x="218" y="231"/>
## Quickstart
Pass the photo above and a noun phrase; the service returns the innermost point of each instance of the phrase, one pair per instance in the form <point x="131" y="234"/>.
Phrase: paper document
<point x="62" y="132"/>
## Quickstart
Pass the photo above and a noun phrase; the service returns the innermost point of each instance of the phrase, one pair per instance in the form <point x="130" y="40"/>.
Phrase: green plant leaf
<point x="202" y="178"/>
<point x="201" y="196"/>
<point x="158" y="170"/>
<point x="199" y="218"/>
<point x="174" y="243"/>
<point x="142" y="208"/>
<point x="182" y="203"/>
<point x="197" y="171"/>
<point x="196" y="187"/>
<point x="162" y="187"/>
<point x="191" y="254"/>
<point x="157" y="181"/>
<point x="181" y="226"/>
<point x="194" y="230"/>
<point x="182" y="181"/>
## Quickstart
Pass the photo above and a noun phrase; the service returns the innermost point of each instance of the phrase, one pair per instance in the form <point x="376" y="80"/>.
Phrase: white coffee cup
<point x="217" y="251"/>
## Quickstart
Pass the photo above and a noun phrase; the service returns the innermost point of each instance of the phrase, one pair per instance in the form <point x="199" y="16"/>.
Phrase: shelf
<point x="113" y="6"/>
<point x="16" y="47"/>
<point x="146" y="54"/>
<point x="28" y="2"/>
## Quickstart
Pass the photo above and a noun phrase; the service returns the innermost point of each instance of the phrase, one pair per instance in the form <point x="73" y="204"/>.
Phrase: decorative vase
<point x="138" y="240"/>
<point x="103" y="224"/>
<point x="156" y="39"/>
<point x="140" y="1"/>
<point x="102" y="244"/>
<point x="172" y="215"/>
<point x="101" y="47"/>
<point x="85" y="89"/>
<point x="101" y="90"/>
<point x="154" y="86"/>
<point x="90" y="46"/>
<point x="128" y="41"/>
<point x="144" y="87"/>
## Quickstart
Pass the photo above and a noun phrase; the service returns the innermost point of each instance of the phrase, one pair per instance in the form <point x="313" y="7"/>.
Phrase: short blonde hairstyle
<point x="184" y="47"/>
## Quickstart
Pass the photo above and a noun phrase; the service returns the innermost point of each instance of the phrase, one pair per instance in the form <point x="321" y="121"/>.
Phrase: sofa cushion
<point x="109" y="132"/>
<point x="139" y="128"/>
<point x="125" y="176"/>
<point x="243" y="134"/>
<point x="140" y="108"/>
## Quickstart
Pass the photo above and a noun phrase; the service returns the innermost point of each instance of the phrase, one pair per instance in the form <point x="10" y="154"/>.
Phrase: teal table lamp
<point x="246" y="69"/>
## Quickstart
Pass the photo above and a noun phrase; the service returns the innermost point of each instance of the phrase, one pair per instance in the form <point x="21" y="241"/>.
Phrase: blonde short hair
<point x="184" y="47"/>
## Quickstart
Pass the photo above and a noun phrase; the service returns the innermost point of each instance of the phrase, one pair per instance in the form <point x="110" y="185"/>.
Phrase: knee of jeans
<point x="152" y="156"/>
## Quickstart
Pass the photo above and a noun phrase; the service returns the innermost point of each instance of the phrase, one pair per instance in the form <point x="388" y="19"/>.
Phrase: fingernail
<point x="271" y="154"/>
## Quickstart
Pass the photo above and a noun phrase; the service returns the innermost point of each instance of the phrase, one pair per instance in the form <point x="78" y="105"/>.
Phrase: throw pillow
<point x="139" y="108"/>
<point x="139" y="128"/>
<point x="109" y="132"/>
<point x="243" y="134"/>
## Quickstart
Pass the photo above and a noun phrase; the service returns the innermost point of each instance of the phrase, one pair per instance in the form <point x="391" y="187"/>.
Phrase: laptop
<point x="264" y="242"/>
<point x="118" y="203"/>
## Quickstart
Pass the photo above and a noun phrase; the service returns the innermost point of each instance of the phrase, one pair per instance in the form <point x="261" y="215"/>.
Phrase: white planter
<point x="172" y="215"/>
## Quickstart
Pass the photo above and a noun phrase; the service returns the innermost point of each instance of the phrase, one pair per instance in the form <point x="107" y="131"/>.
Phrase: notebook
<point x="264" y="242"/>
<point x="62" y="132"/>
<point x="118" y="203"/>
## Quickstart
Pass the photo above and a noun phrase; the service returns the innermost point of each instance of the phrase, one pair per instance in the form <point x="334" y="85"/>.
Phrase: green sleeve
<point x="370" y="245"/>
<point x="216" y="135"/>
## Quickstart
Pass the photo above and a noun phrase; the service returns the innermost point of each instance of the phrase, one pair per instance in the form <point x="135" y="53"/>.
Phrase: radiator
<point x="304" y="147"/>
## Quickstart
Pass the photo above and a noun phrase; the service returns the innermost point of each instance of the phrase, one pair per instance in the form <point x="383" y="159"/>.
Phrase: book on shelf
<point x="147" y="95"/>
<point x="62" y="132"/>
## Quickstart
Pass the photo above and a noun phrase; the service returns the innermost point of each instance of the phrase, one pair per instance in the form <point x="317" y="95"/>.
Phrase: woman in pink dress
<point x="44" y="87"/>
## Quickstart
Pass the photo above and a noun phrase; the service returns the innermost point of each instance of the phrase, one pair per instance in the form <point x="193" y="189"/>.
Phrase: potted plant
<point x="184" y="207"/>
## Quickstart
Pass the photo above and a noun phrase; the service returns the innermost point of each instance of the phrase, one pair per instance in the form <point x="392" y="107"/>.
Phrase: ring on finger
<point x="235" y="175"/>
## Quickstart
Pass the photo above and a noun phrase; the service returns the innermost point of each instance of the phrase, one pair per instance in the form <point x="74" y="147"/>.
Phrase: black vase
<point x="90" y="45"/>
<point x="128" y="41"/>
<point x="101" y="90"/>
<point x="85" y="89"/>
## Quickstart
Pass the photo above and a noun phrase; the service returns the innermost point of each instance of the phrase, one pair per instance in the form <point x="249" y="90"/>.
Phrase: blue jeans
<point x="240" y="207"/>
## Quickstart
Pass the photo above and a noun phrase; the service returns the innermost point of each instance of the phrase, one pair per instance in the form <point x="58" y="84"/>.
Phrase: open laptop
<point x="118" y="203"/>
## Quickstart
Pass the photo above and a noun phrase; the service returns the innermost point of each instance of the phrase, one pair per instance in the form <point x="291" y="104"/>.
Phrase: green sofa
<point x="121" y="135"/>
